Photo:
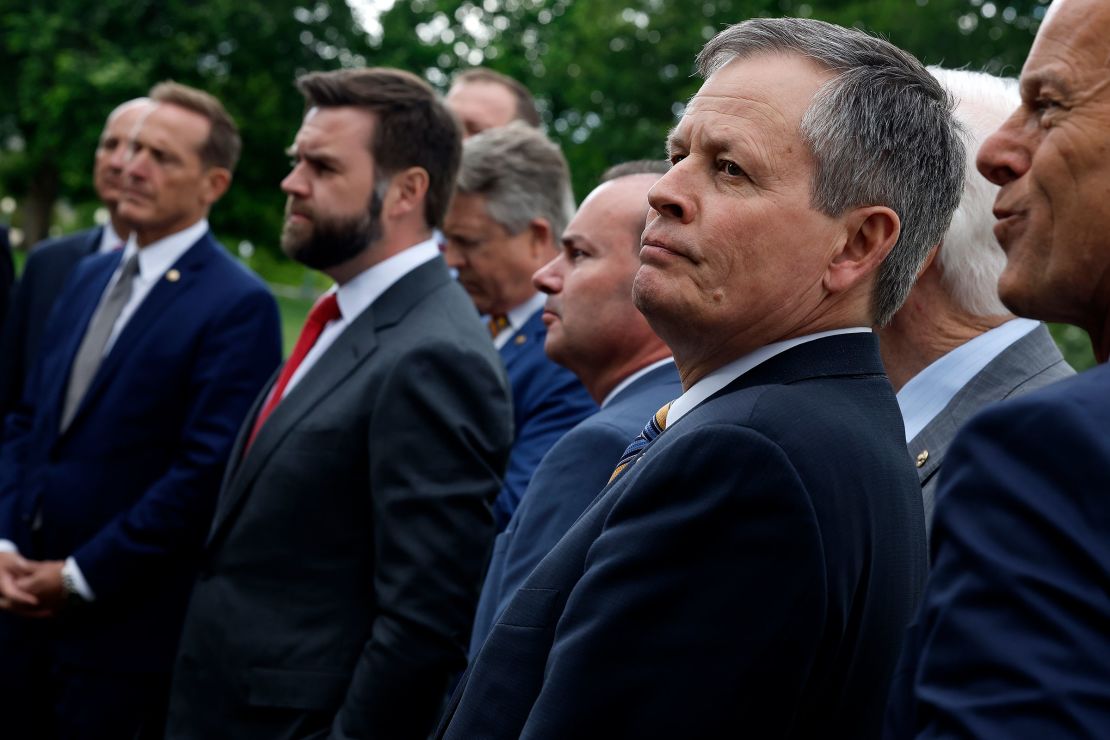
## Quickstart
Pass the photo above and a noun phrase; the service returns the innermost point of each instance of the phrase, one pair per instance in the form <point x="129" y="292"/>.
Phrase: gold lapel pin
<point x="922" y="457"/>
<point x="173" y="276"/>
<point x="520" y="339"/>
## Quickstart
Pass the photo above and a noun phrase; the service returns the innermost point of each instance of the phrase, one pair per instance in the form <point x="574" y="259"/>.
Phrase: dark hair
<point x="412" y="128"/>
<point x="222" y="147"/>
<point x="636" y="167"/>
<point x="525" y="103"/>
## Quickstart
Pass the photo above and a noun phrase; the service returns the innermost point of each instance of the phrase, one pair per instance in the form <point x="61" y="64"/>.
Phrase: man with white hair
<point x="953" y="347"/>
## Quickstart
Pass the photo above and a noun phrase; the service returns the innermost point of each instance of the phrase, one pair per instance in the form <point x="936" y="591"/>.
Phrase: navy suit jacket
<point x="129" y="487"/>
<point x="548" y="400"/>
<point x="752" y="573"/>
<point x="1013" y="636"/>
<point x="566" y="481"/>
<point x="44" y="274"/>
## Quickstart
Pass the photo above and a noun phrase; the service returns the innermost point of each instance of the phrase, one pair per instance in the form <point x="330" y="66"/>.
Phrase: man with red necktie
<point x="347" y="550"/>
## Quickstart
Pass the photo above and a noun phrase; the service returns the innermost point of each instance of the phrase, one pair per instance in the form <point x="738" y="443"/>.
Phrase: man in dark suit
<point x="50" y="262"/>
<point x="1011" y="639"/>
<point x="953" y="347"/>
<point x="595" y="331"/>
<point x="113" y="459"/>
<point x="512" y="201"/>
<point x="752" y="566"/>
<point x="347" y="550"/>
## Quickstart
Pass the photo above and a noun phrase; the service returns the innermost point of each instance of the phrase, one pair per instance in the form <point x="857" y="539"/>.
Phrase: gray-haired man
<point x="512" y="201"/>
<point x="953" y="347"/>
<point x="751" y="567"/>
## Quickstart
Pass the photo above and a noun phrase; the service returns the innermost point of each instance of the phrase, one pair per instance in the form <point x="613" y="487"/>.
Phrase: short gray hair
<point x="521" y="174"/>
<point x="881" y="133"/>
<point x="970" y="258"/>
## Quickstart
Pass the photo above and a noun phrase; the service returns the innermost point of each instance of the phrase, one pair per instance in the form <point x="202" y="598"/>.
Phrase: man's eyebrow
<point x="1041" y="79"/>
<point x="675" y="140"/>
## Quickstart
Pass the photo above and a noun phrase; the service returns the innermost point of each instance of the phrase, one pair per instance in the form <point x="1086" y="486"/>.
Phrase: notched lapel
<point x="189" y="270"/>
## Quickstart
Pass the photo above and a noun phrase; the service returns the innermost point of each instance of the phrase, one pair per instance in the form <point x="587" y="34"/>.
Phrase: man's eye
<point x="575" y="254"/>
<point x="730" y="168"/>
<point x="676" y="158"/>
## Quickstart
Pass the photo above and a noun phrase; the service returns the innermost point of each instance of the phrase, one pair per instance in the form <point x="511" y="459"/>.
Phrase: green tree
<point x="68" y="63"/>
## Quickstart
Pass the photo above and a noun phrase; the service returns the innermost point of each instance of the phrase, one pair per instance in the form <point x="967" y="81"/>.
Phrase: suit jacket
<point x="347" y="550"/>
<point x="568" y="478"/>
<point x="1011" y="639"/>
<point x="753" y="571"/>
<point x="44" y="274"/>
<point x="1029" y="363"/>
<point x="129" y="487"/>
<point x="548" y="400"/>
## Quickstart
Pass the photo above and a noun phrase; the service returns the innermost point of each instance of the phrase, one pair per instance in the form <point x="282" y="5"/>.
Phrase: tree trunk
<point x="38" y="206"/>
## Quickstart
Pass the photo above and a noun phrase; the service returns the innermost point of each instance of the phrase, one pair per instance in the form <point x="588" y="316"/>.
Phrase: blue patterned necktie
<point x="652" y="429"/>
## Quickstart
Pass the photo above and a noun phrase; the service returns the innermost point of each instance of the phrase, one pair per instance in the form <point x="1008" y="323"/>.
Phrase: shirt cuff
<point x="74" y="572"/>
<point x="8" y="546"/>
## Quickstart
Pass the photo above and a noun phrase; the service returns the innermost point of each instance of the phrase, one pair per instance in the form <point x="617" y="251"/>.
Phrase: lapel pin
<point x="922" y="457"/>
<point x="520" y="339"/>
<point x="173" y="276"/>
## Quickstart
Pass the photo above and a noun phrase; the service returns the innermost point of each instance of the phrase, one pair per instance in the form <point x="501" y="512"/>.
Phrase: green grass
<point x="293" y="312"/>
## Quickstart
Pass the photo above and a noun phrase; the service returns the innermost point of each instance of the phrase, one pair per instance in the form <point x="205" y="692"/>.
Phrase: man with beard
<point x="346" y="554"/>
<point x="50" y="262"/>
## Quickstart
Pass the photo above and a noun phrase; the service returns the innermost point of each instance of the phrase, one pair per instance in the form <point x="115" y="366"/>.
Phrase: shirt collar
<point x="519" y="315"/>
<point x="927" y="393"/>
<point x="629" y="380"/>
<point x="359" y="292"/>
<point x="724" y="375"/>
<point x="157" y="257"/>
<point x="109" y="239"/>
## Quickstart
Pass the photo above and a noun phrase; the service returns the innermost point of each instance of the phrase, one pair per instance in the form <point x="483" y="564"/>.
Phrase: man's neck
<point x="601" y="384"/>
<point x="375" y="253"/>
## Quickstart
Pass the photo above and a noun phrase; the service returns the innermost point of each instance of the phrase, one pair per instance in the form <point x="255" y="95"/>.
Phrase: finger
<point x="15" y="592"/>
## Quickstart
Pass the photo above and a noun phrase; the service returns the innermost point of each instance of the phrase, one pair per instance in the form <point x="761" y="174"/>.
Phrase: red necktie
<point x="326" y="309"/>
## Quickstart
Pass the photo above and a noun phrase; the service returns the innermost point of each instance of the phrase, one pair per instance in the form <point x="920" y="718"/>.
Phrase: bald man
<point x="51" y="260"/>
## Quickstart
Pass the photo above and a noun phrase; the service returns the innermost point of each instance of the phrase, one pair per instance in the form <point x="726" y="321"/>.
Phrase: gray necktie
<point x="96" y="336"/>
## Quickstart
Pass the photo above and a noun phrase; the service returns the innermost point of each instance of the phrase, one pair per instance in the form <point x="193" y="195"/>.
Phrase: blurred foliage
<point x="610" y="76"/>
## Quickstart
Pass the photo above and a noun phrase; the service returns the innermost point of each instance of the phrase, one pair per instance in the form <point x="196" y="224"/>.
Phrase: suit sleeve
<point x="440" y="435"/>
<point x="237" y="354"/>
<point x="553" y="402"/>
<point x="715" y="538"/>
<point x="1013" y="626"/>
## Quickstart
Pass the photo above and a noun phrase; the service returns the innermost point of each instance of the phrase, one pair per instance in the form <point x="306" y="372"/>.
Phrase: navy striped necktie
<point x="655" y="426"/>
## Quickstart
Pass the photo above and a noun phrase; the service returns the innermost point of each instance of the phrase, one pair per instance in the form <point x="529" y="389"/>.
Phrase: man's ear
<point x="541" y="243"/>
<point x="407" y="191"/>
<point x="870" y="234"/>
<point x="215" y="183"/>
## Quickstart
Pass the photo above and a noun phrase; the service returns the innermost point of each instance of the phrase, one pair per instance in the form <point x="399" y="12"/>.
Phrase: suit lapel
<point x="189" y="267"/>
<point x="93" y="289"/>
<point x="523" y="339"/>
<point x="352" y="348"/>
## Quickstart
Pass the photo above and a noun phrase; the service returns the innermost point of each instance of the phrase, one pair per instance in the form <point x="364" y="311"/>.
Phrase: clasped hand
<point x="30" y="588"/>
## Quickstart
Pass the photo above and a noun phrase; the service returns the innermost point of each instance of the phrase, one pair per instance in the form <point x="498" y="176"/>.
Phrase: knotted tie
<point x="655" y="426"/>
<point x="496" y="323"/>
<point x="91" y="352"/>
<point x="325" y="310"/>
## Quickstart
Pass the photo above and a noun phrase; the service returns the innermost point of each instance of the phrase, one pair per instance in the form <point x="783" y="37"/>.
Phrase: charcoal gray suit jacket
<point x="346" y="553"/>
<point x="1029" y="363"/>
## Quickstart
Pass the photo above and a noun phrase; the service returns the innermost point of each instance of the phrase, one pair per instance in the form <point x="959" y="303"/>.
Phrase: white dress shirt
<point x="634" y="377"/>
<point x="356" y="295"/>
<point x="724" y="375"/>
<point x="518" y="317"/>
<point x="155" y="260"/>
<point x="109" y="239"/>
<point x="928" y="392"/>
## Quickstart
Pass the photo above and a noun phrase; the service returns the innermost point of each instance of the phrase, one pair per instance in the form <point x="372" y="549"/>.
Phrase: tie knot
<point x="660" y="418"/>
<point x="324" y="310"/>
<point x="130" y="267"/>
<point x="497" y="323"/>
